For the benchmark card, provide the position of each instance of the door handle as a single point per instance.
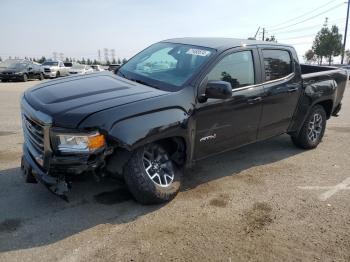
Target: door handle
(254, 100)
(291, 90)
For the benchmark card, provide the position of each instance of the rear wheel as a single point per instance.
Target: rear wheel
(312, 130)
(151, 175)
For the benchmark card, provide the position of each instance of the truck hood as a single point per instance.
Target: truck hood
(70, 100)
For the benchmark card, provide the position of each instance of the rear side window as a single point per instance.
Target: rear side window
(236, 68)
(277, 64)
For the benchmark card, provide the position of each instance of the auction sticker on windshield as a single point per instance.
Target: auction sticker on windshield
(198, 52)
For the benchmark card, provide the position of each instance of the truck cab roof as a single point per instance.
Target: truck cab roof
(220, 43)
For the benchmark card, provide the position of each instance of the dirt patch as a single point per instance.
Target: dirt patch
(258, 217)
(10, 156)
(10, 225)
(113, 197)
(220, 201)
(340, 129)
(6, 133)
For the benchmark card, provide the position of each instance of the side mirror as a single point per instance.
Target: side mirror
(218, 90)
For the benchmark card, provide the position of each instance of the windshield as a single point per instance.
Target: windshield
(50, 63)
(165, 65)
(13, 64)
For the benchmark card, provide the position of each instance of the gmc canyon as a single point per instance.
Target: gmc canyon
(172, 104)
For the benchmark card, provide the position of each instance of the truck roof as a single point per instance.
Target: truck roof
(219, 43)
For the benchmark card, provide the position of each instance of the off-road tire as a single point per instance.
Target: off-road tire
(41, 77)
(303, 140)
(142, 187)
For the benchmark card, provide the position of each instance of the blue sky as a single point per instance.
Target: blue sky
(78, 28)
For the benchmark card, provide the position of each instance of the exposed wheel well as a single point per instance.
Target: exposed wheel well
(176, 147)
(327, 105)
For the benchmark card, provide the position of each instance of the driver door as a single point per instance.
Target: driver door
(225, 124)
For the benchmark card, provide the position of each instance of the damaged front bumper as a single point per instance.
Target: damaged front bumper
(42, 161)
(57, 177)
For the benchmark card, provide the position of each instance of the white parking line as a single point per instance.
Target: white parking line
(331, 190)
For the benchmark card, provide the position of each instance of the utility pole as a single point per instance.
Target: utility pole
(263, 34)
(105, 50)
(346, 32)
(257, 31)
(99, 55)
(113, 54)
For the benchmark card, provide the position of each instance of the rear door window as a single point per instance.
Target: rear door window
(277, 63)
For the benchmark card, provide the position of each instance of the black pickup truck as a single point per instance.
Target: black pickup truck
(176, 102)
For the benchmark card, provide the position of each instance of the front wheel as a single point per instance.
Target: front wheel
(312, 130)
(151, 175)
(58, 74)
(41, 77)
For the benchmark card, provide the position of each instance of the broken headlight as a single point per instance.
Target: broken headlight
(80, 143)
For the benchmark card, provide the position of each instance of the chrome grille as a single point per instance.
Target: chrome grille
(47, 70)
(33, 137)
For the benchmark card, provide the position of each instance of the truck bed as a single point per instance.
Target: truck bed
(316, 77)
(309, 69)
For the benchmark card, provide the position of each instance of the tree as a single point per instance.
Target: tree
(0, 59)
(42, 60)
(271, 39)
(119, 61)
(310, 56)
(327, 43)
(113, 61)
(83, 61)
(124, 60)
(88, 61)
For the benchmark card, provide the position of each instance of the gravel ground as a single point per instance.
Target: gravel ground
(265, 202)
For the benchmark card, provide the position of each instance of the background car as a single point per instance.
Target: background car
(113, 67)
(54, 68)
(68, 64)
(20, 70)
(80, 69)
(97, 68)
